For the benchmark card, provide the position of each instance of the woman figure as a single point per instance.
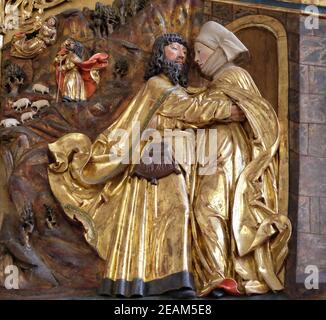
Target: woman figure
(21, 47)
(240, 238)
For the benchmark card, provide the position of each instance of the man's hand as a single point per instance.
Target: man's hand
(236, 114)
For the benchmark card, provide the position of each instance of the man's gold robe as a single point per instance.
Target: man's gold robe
(141, 230)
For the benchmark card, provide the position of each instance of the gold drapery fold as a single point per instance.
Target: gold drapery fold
(238, 232)
(137, 228)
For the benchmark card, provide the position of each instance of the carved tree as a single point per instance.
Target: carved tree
(14, 77)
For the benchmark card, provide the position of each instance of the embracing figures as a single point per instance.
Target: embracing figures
(193, 231)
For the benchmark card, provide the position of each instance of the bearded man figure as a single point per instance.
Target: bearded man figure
(139, 228)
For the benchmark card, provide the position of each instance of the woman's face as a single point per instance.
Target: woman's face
(202, 53)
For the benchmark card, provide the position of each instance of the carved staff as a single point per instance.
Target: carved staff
(58, 91)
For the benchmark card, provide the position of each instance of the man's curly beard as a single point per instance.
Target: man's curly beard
(177, 73)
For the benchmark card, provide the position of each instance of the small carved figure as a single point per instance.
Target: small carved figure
(27, 224)
(40, 88)
(17, 13)
(50, 219)
(77, 79)
(40, 104)
(10, 122)
(28, 116)
(21, 47)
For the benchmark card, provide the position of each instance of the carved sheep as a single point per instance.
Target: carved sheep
(40, 104)
(27, 116)
(40, 88)
(21, 104)
(10, 122)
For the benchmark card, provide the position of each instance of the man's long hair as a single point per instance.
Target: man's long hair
(159, 64)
